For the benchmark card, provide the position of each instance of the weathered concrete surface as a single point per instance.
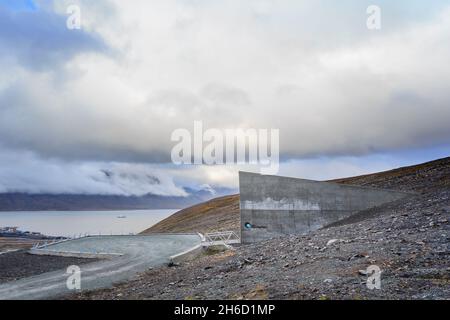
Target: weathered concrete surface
(271, 205)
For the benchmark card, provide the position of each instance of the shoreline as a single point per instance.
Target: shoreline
(86, 210)
(53, 225)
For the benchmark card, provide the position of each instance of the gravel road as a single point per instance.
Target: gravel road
(140, 254)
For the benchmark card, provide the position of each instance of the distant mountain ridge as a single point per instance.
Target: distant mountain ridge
(74, 202)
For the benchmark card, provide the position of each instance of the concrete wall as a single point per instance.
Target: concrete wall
(84, 255)
(276, 206)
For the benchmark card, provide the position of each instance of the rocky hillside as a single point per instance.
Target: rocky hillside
(408, 241)
(417, 178)
(215, 215)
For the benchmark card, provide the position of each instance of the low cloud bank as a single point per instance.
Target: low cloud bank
(26, 172)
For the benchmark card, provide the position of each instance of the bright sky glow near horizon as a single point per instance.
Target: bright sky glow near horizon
(347, 100)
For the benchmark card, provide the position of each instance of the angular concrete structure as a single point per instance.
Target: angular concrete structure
(272, 206)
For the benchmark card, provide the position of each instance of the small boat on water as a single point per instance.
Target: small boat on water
(121, 217)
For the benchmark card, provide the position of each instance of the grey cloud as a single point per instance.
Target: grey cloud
(35, 116)
(376, 93)
(24, 171)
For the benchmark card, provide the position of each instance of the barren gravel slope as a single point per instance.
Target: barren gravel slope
(221, 214)
(418, 178)
(20, 264)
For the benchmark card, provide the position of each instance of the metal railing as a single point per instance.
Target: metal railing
(46, 243)
(221, 238)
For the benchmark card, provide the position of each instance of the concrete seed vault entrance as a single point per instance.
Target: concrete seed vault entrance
(271, 206)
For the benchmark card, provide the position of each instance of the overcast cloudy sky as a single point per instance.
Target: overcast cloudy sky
(75, 104)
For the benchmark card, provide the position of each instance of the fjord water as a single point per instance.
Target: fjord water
(69, 223)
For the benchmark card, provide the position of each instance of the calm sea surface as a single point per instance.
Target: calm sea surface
(69, 223)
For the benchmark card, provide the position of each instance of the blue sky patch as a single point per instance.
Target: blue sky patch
(18, 5)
